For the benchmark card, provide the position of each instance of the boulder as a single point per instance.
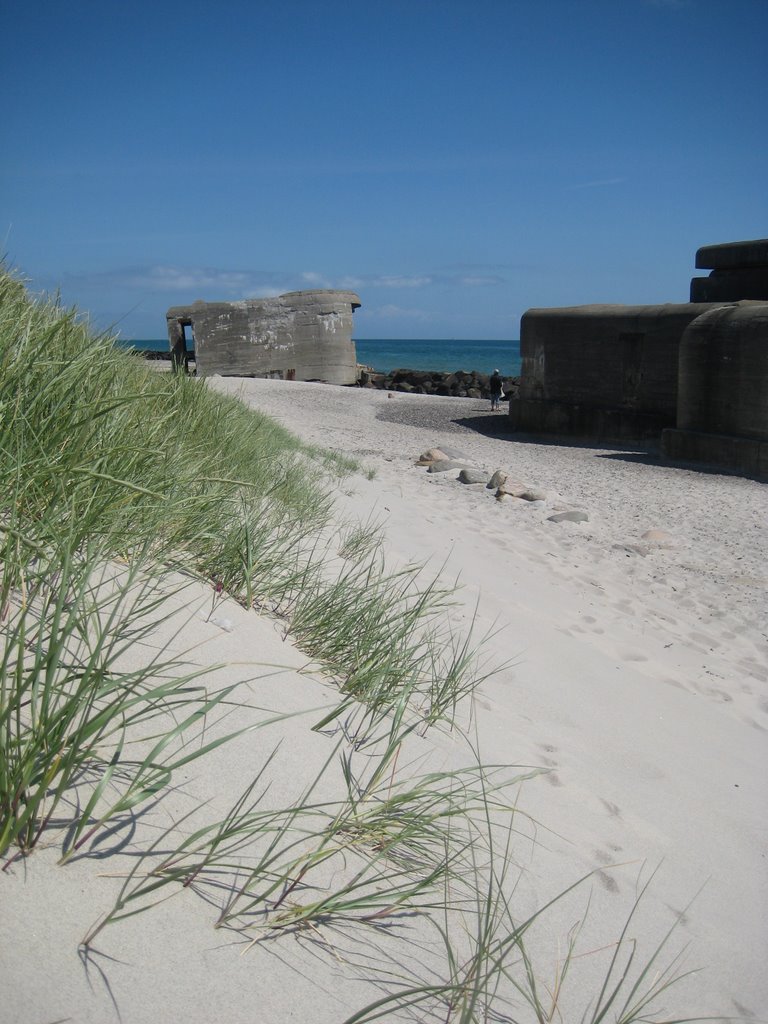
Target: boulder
(432, 455)
(512, 499)
(453, 453)
(497, 480)
(445, 465)
(473, 476)
(574, 516)
(514, 488)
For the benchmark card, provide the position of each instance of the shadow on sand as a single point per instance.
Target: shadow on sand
(498, 426)
(644, 453)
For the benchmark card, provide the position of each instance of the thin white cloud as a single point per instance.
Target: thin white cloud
(393, 312)
(171, 278)
(599, 183)
(479, 280)
(385, 281)
(213, 283)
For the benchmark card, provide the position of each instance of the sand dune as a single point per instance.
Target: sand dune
(634, 671)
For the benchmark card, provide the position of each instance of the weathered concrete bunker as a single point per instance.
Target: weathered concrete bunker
(303, 336)
(722, 406)
(696, 371)
(601, 370)
(739, 271)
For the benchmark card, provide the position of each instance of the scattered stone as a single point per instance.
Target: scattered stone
(473, 476)
(453, 453)
(498, 479)
(444, 465)
(658, 539)
(502, 495)
(513, 488)
(432, 455)
(532, 494)
(574, 516)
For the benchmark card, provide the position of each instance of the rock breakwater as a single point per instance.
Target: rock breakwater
(459, 384)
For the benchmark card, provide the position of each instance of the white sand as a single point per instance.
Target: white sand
(640, 681)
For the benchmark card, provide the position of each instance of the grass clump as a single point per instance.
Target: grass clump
(105, 463)
(70, 705)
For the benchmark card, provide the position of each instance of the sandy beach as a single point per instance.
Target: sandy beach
(632, 651)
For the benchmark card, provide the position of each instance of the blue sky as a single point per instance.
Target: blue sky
(454, 162)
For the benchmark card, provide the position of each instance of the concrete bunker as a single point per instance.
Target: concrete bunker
(303, 336)
(722, 407)
(601, 371)
(739, 270)
(697, 371)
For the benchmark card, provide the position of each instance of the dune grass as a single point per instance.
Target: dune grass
(104, 462)
(118, 483)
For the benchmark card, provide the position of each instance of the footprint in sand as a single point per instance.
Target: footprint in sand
(625, 606)
(675, 682)
(682, 917)
(753, 669)
(628, 654)
(549, 763)
(608, 881)
(707, 642)
(613, 809)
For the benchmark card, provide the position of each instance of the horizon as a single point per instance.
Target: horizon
(453, 164)
(420, 341)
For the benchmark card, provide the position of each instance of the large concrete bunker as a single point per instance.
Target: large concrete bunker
(304, 335)
(722, 409)
(694, 374)
(600, 370)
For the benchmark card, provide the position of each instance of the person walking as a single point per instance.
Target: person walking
(497, 386)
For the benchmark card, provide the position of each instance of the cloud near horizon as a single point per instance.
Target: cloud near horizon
(241, 284)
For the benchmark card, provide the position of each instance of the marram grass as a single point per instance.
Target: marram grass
(116, 484)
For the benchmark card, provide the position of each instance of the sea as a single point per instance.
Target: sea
(387, 354)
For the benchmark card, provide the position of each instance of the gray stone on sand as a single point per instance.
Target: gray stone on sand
(444, 465)
(574, 516)
(453, 453)
(533, 494)
(497, 480)
(473, 476)
(514, 488)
